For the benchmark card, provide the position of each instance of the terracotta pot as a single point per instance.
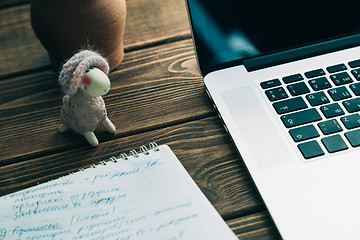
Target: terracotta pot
(66, 26)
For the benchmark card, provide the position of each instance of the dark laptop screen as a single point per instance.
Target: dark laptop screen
(227, 30)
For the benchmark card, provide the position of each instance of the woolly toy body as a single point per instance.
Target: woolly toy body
(83, 113)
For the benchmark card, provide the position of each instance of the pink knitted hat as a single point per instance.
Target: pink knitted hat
(75, 68)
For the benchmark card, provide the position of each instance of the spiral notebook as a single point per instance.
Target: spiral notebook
(143, 195)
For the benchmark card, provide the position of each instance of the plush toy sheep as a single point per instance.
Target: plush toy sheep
(84, 80)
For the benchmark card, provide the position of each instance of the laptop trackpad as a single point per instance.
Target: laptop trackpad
(260, 135)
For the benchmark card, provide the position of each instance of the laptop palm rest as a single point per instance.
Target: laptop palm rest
(247, 110)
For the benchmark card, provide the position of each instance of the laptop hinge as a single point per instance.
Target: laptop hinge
(265, 61)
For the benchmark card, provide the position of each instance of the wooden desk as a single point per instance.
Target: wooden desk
(157, 95)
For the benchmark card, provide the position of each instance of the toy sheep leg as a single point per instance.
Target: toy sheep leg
(108, 125)
(91, 138)
(62, 128)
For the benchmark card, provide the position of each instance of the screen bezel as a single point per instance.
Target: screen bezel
(276, 57)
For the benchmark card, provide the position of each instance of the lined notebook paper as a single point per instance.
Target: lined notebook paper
(148, 196)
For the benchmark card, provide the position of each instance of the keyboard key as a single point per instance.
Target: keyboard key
(290, 105)
(293, 78)
(355, 88)
(310, 149)
(352, 105)
(355, 63)
(353, 137)
(298, 89)
(318, 98)
(341, 78)
(300, 118)
(334, 143)
(276, 94)
(336, 68)
(330, 126)
(332, 110)
(315, 73)
(356, 73)
(304, 133)
(339, 93)
(351, 121)
(319, 83)
(270, 83)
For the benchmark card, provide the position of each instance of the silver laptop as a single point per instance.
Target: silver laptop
(284, 78)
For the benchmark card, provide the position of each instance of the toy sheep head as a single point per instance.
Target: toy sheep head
(95, 83)
(82, 70)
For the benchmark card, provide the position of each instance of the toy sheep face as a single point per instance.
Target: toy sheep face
(95, 83)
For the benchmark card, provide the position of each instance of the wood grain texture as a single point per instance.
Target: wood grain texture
(154, 87)
(254, 227)
(147, 23)
(11, 3)
(202, 146)
(150, 21)
(20, 50)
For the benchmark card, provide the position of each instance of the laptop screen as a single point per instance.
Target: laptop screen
(230, 30)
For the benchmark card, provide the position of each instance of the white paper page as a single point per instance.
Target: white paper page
(149, 197)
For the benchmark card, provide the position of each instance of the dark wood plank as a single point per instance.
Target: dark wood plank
(154, 87)
(20, 50)
(147, 22)
(202, 146)
(256, 226)
(10, 3)
(150, 21)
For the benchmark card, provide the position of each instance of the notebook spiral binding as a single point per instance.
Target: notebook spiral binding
(123, 156)
(133, 153)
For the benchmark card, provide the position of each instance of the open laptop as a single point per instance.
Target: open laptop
(284, 78)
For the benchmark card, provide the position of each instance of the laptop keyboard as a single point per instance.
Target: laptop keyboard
(319, 107)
